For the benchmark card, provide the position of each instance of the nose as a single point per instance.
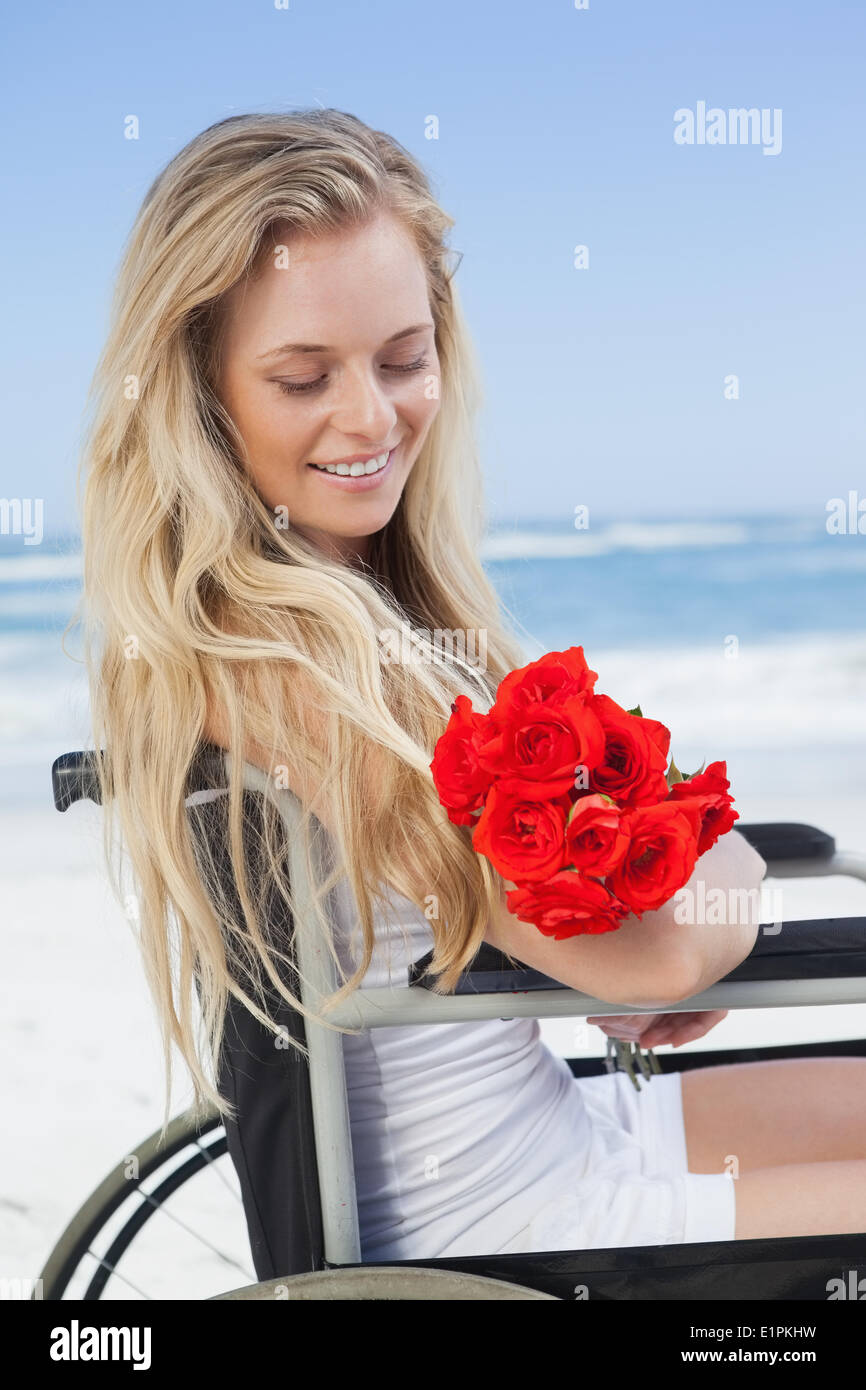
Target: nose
(363, 408)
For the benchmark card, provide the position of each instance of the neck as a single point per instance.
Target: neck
(351, 550)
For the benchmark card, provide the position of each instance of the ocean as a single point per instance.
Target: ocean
(746, 636)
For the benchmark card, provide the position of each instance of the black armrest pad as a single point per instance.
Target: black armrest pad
(490, 972)
(823, 948)
(74, 775)
(74, 778)
(788, 840)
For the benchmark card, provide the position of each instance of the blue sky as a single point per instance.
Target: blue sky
(604, 386)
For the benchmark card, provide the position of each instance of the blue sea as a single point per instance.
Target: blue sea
(745, 635)
(681, 582)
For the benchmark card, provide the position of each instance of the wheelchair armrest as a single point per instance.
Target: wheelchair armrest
(490, 972)
(785, 840)
(805, 947)
(822, 948)
(74, 776)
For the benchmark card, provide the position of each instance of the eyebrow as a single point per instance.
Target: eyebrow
(320, 347)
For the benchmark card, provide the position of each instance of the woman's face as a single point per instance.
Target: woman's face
(330, 358)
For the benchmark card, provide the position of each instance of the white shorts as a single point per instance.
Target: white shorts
(637, 1189)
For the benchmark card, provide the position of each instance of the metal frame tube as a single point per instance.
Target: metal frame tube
(385, 1008)
(328, 1091)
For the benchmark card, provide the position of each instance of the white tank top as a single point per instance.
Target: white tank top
(460, 1131)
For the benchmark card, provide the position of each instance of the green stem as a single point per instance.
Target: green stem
(624, 1058)
(642, 1062)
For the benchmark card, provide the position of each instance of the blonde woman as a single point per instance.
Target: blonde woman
(280, 470)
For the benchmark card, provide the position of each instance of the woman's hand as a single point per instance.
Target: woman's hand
(652, 1030)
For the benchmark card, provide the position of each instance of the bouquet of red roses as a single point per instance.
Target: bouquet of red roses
(572, 800)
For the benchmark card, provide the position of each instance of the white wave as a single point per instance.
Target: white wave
(806, 693)
(507, 543)
(24, 569)
(645, 536)
(533, 543)
(39, 603)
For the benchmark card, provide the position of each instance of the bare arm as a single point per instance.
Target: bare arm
(647, 963)
(657, 960)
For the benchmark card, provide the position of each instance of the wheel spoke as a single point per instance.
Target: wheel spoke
(115, 1272)
(221, 1254)
(215, 1168)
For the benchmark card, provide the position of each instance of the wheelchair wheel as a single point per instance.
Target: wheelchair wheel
(86, 1261)
(102, 1253)
(385, 1283)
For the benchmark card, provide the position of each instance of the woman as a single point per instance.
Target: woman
(281, 475)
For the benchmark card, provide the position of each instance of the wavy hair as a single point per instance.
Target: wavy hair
(194, 598)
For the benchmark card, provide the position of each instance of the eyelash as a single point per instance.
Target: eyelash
(291, 387)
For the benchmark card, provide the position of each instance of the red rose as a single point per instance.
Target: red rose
(567, 905)
(709, 789)
(523, 839)
(594, 838)
(658, 732)
(633, 769)
(540, 746)
(660, 857)
(460, 780)
(549, 679)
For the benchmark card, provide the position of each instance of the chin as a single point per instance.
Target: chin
(356, 527)
(359, 533)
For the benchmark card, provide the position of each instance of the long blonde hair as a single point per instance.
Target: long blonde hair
(192, 593)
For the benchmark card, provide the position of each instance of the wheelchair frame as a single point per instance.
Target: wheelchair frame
(810, 962)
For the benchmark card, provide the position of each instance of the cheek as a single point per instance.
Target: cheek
(275, 432)
(421, 410)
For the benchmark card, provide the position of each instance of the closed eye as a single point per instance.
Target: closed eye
(290, 387)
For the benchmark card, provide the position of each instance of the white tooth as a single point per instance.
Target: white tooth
(355, 470)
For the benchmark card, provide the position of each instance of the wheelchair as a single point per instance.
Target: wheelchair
(298, 1196)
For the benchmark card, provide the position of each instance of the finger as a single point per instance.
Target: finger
(626, 1026)
(670, 1028)
(658, 1035)
(620, 1020)
(690, 1033)
(698, 1024)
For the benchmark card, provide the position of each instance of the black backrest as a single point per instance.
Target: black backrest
(271, 1140)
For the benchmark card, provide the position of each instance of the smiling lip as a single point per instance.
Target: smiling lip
(361, 483)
